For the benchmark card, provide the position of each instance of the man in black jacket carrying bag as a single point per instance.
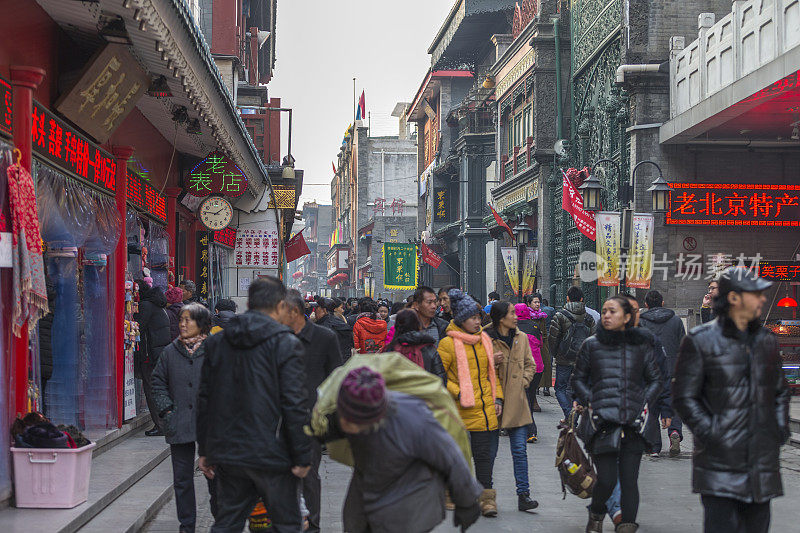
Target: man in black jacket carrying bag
(730, 390)
(251, 412)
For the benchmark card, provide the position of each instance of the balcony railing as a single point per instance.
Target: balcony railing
(477, 121)
(521, 159)
(755, 33)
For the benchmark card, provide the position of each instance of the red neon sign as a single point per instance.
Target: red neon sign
(226, 237)
(145, 197)
(708, 204)
(62, 145)
(6, 107)
(782, 85)
(779, 270)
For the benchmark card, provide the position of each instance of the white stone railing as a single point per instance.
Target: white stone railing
(755, 33)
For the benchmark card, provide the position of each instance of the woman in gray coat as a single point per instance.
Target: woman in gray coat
(176, 381)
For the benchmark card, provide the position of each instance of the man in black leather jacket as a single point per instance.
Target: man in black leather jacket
(730, 390)
(252, 407)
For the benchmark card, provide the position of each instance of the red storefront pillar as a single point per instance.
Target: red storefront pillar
(25, 80)
(121, 156)
(172, 226)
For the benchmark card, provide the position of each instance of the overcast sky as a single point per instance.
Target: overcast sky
(322, 45)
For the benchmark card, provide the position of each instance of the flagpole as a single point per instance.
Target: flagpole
(354, 102)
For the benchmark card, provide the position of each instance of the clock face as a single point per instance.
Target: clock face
(215, 213)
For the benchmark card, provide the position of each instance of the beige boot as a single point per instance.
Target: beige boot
(448, 502)
(488, 502)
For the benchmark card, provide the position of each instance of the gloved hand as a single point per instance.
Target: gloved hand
(466, 516)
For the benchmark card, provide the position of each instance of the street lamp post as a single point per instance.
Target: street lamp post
(521, 232)
(659, 190)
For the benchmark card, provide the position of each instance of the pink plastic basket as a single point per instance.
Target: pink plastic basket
(52, 478)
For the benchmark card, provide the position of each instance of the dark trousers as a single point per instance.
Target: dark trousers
(147, 388)
(531, 393)
(312, 488)
(183, 483)
(726, 515)
(238, 490)
(623, 465)
(563, 388)
(484, 450)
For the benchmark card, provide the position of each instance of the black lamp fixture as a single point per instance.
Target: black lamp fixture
(193, 127)
(180, 114)
(660, 192)
(159, 88)
(591, 190)
(115, 31)
(522, 232)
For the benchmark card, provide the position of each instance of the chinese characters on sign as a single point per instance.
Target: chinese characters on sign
(397, 206)
(399, 266)
(216, 174)
(226, 237)
(378, 206)
(780, 270)
(511, 262)
(607, 246)
(106, 92)
(257, 248)
(440, 204)
(640, 260)
(6, 107)
(202, 265)
(734, 205)
(63, 146)
(144, 197)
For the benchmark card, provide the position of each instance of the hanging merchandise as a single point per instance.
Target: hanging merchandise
(99, 386)
(131, 345)
(28, 286)
(6, 380)
(66, 223)
(157, 244)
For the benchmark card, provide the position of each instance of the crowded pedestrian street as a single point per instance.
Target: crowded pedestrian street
(294, 266)
(668, 506)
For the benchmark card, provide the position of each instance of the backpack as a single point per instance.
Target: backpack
(578, 332)
(575, 469)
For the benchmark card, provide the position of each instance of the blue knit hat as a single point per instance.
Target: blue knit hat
(462, 306)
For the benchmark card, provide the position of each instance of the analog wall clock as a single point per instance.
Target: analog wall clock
(215, 213)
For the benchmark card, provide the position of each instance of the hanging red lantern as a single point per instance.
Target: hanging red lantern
(787, 302)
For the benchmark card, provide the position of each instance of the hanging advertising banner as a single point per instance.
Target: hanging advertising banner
(399, 266)
(511, 261)
(640, 259)
(529, 271)
(203, 270)
(572, 203)
(607, 247)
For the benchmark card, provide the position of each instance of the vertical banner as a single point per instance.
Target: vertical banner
(640, 260)
(529, 271)
(399, 266)
(203, 274)
(607, 246)
(511, 260)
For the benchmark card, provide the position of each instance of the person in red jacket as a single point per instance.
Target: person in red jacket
(369, 331)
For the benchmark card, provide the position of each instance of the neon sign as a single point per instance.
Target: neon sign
(779, 270)
(62, 145)
(226, 237)
(707, 204)
(216, 174)
(6, 107)
(145, 197)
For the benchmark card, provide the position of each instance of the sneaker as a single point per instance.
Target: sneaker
(532, 439)
(674, 444)
(617, 518)
(654, 454)
(547, 391)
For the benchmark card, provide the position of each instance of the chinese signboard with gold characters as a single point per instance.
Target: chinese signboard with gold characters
(399, 266)
(105, 93)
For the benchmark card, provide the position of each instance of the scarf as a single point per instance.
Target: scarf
(29, 290)
(193, 343)
(537, 315)
(467, 396)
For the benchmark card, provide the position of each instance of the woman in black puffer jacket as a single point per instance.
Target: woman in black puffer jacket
(155, 336)
(615, 374)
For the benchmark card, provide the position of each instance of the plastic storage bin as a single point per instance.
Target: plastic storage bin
(52, 478)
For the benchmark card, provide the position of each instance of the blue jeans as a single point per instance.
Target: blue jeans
(563, 388)
(676, 425)
(519, 454)
(614, 503)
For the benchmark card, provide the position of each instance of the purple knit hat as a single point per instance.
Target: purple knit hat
(174, 295)
(362, 396)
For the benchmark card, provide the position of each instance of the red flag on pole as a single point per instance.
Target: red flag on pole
(500, 221)
(334, 167)
(296, 248)
(429, 256)
(572, 203)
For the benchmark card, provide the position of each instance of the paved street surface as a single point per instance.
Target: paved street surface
(667, 504)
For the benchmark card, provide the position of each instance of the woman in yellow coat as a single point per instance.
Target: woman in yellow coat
(468, 360)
